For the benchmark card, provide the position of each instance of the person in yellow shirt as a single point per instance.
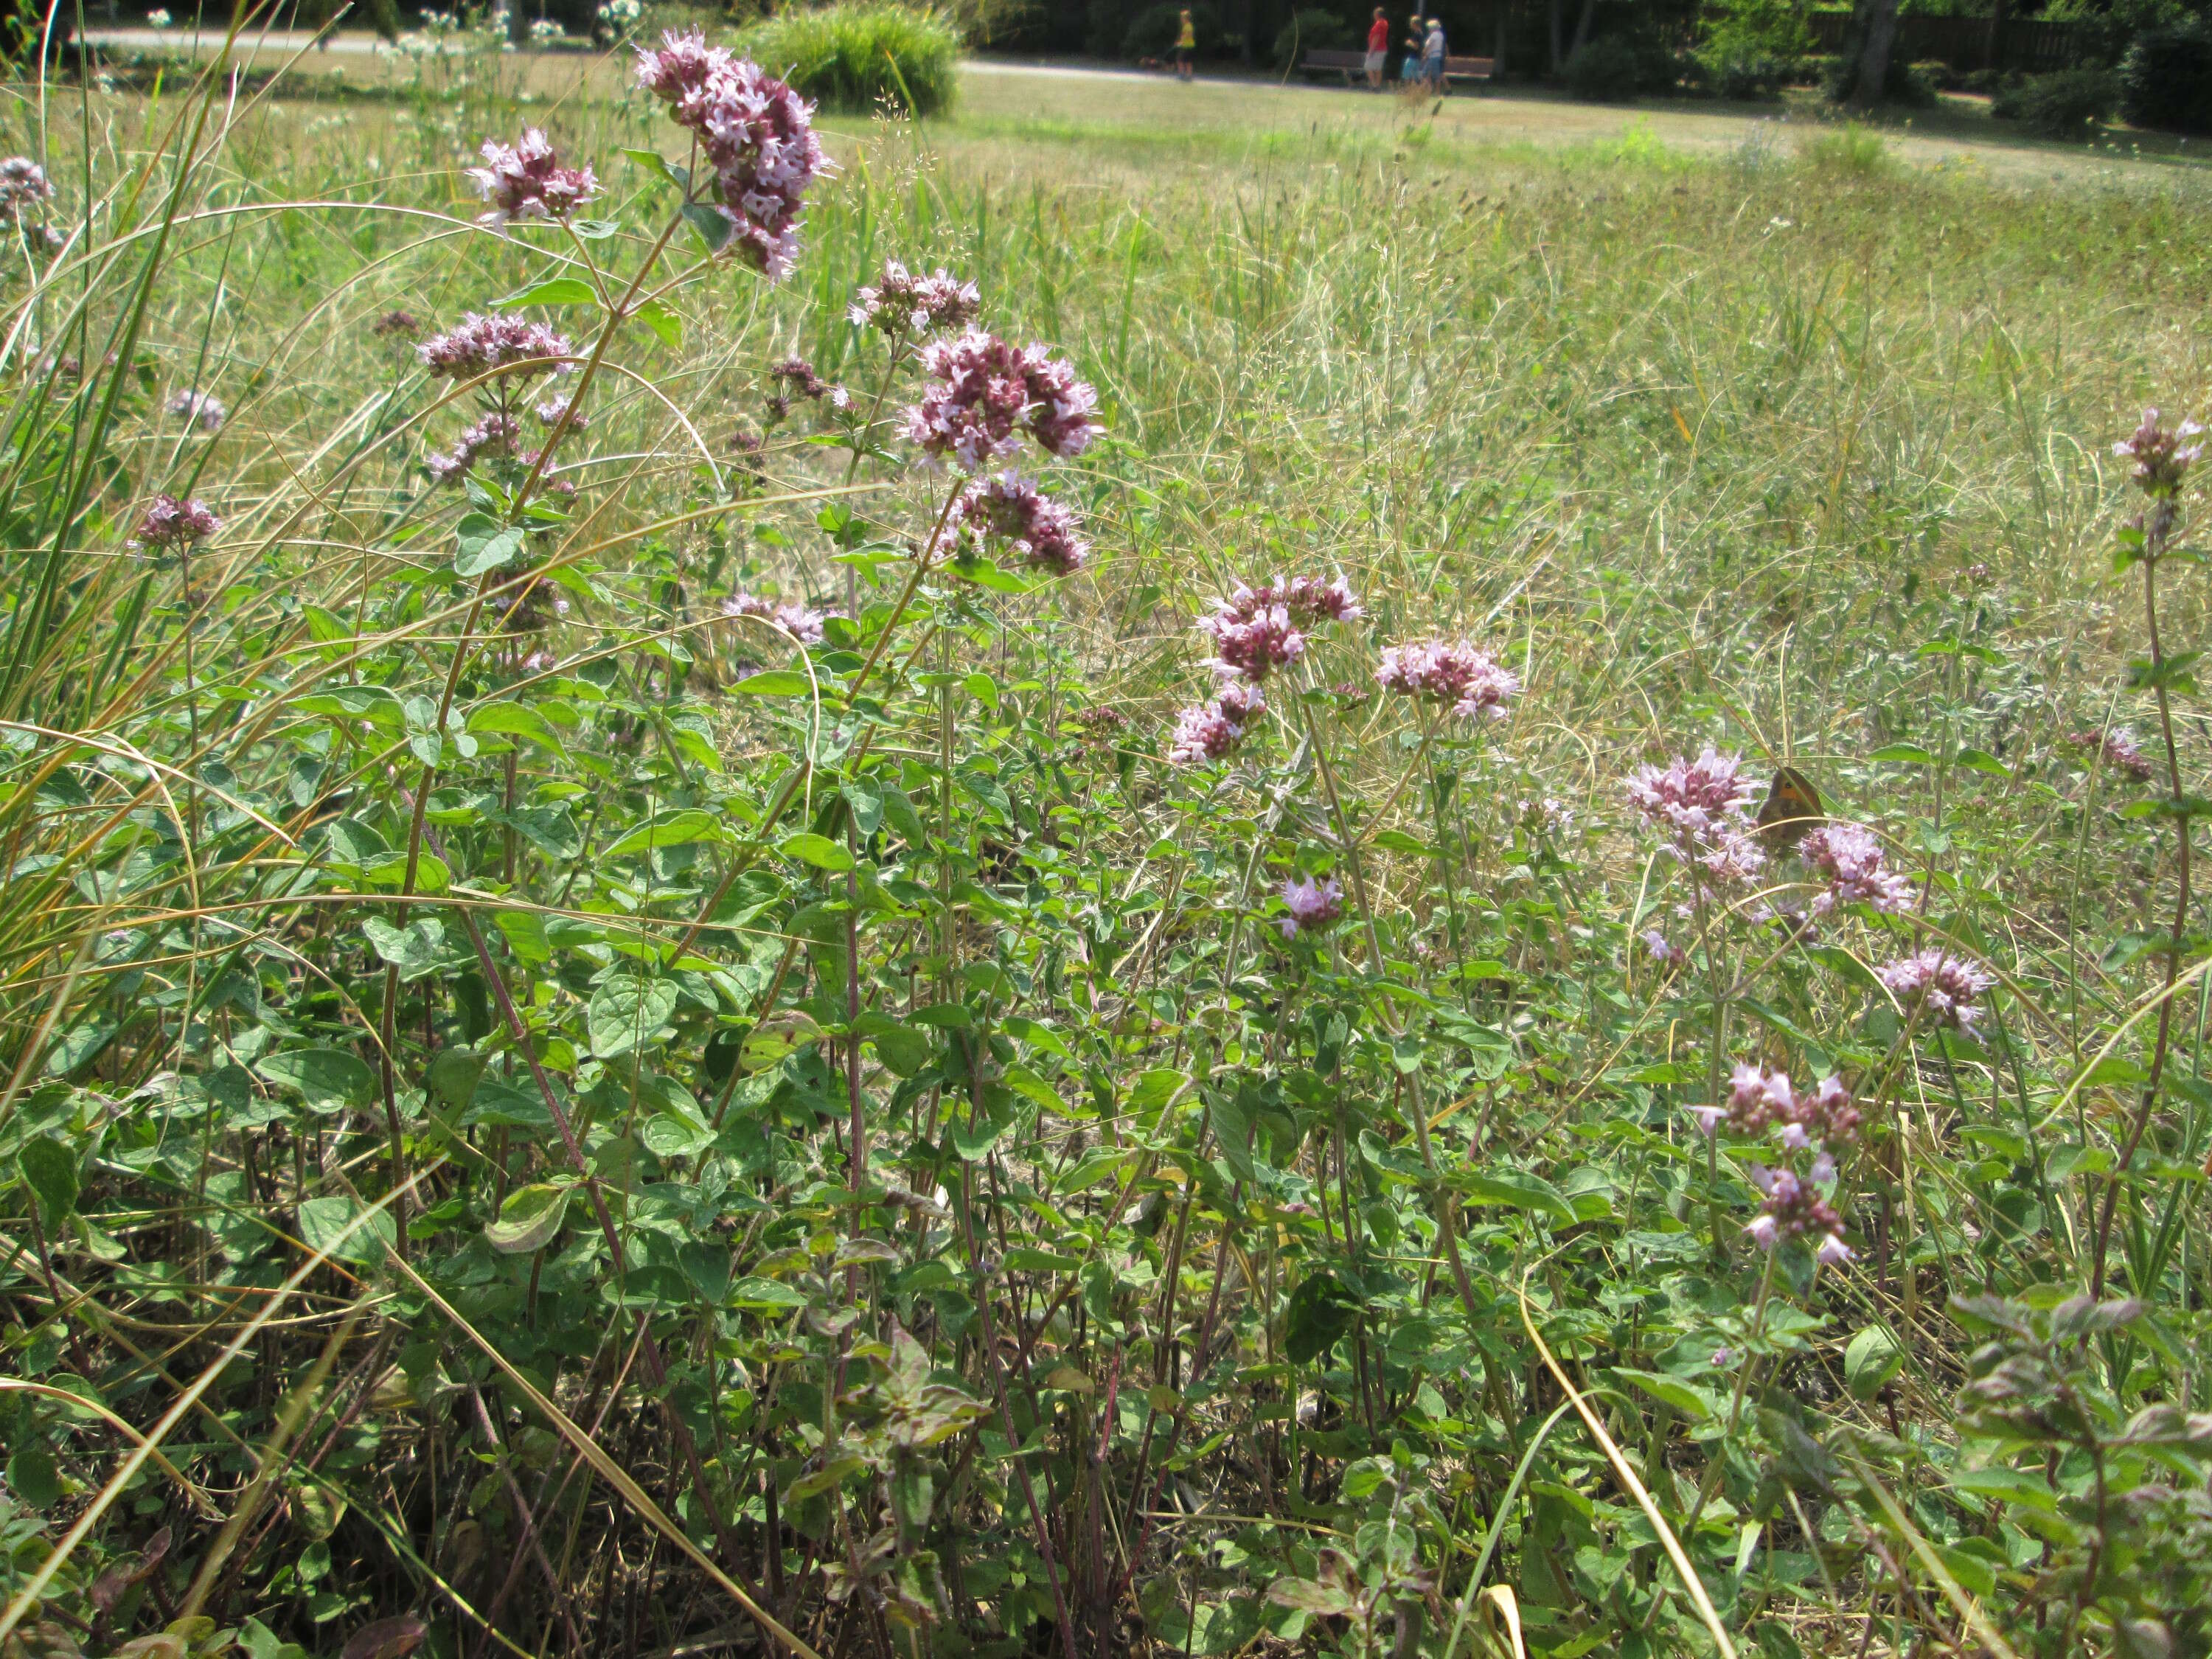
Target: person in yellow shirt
(1185, 44)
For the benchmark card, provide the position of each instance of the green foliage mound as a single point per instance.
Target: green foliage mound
(2070, 104)
(1608, 69)
(860, 55)
(2166, 79)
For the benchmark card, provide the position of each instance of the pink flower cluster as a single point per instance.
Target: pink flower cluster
(551, 411)
(1458, 673)
(1311, 904)
(198, 407)
(1210, 731)
(796, 620)
(526, 180)
(495, 435)
(1795, 1207)
(1704, 805)
(2119, 749)
(1943, 984)
(1251, 640)
(757, 133)
(1760, 1101)
(1038, 529)
(23, 185)
(1850, 860)
(798, 380)
(902, 302)
(985, 394)
(2162, 455)
(479, 346)
(1691, 797)
(170, 524)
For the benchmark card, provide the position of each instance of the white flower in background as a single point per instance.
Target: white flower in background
(157, 20)
(544, 32)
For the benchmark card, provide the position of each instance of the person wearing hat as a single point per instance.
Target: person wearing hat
(1432, 56)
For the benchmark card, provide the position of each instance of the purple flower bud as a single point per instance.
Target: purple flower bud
(2162, 455)
(1311, 905)
(902, 303)
(1459, 673)
(526, 180)
(479, 346)
(199, 406)
(170, 524)
(1944, 983)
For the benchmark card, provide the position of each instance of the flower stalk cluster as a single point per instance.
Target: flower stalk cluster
(1943, 985)
(1850, 860)
(1010, 512)
(755, 133)
(170, 524)
(1455, 672)
(1822, 1121)
(1703, 806)
(985, 393)
(526, 180)
(901, 302)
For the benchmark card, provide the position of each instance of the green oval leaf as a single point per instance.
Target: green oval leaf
(529, 1219)
(819, 851)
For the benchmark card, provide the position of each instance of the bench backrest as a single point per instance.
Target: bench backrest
(1335, 60)
(1479, 66)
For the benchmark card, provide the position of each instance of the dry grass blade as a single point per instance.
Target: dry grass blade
(1626, 1476)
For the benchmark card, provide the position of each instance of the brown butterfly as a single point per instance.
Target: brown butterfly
(1791, 811)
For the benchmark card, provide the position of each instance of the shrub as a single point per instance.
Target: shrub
(856, 56)
(2166, 80)
(1742, 74)
(1310, 29)
(1151, 32)
(1853, 150)
(2070, 104)
(1609, 70)
(1770, 30)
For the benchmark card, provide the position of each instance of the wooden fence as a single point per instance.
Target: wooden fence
(2033, 44)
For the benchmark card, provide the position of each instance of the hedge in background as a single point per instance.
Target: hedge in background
(854, 57)
(2166, 80)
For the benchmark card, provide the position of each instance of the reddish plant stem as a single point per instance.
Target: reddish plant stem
(2154, 544)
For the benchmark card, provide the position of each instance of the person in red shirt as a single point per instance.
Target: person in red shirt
(1378, 48)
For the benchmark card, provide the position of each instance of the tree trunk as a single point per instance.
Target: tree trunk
(1498, 47)
(1583, 27)
(1880, 18)
(1556, 18)
(1995, 51)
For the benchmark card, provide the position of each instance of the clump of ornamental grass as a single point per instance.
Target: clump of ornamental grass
(859, 55)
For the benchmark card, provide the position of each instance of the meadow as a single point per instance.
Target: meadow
(1522, 974)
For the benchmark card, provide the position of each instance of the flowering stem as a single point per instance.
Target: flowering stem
(2155, 533)
(1742, 1381)
(387, 1029)
(1447, 1234)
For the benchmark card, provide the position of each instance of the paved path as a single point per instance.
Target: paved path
(284, 43)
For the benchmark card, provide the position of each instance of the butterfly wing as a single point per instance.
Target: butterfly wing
(1791, 811)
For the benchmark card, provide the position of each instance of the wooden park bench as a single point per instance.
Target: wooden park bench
(1353, 65)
